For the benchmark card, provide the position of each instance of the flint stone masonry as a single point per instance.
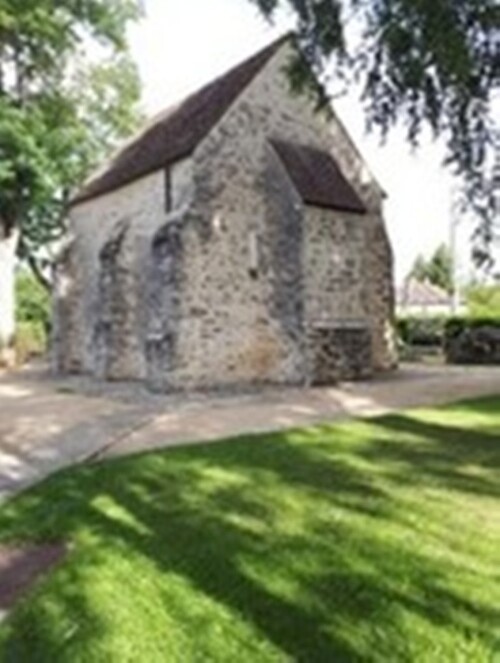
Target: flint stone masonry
(236, 280)
(341, 353)
(114, 335)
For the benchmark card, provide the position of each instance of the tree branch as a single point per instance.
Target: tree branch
(37, 272)
(25, 254)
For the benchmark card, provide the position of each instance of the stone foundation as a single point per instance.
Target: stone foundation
(341, 353)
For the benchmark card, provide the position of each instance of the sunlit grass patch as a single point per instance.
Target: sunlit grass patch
(374, 540)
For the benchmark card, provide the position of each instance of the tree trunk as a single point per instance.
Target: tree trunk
(8, 245)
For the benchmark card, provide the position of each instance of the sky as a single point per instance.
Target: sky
(182, 44)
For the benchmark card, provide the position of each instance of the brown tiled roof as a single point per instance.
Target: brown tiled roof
(177, 131)
(318, 177)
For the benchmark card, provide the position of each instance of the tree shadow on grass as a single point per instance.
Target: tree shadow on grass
(285, 533)
(422, 452)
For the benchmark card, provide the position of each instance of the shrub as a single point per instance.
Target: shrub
(31, 341)
(483, 301)
(472, 341)
(33, 317)
(32, 300)
(427, 332)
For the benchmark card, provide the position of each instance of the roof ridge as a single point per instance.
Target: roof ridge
(269, 49)
(175, 132)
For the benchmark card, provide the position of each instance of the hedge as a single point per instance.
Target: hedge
(472, 340)
(424, 332)
(30, 341)
(33, 302)
(33, 317)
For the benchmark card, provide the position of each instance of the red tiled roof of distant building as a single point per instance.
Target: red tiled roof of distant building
(422, 293)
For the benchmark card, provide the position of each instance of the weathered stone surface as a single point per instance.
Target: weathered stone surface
(114, 331)
(164, 292)
(92, 224)
(67, 331)
(230, 283)
(380, 295)
(341, 353)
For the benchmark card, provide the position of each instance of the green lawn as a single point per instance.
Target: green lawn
(369, 541)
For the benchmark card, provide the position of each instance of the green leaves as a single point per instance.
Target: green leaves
(423, 64)
(60, 113)
(26, 172)
(438, 270)
(105, 97)
(483, 301)
(45, 29)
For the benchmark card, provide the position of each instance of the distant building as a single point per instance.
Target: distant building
(423, 298)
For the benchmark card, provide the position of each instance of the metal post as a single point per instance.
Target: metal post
(455, 290)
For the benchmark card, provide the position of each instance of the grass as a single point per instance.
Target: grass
(366, 541)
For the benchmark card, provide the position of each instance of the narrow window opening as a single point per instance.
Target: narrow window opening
(253, 255)
(168, 190)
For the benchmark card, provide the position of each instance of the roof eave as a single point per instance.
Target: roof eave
(83, 197)
(335, 208)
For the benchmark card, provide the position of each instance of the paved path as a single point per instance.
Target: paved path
(288, 408)
(44, 427)
(48, 424)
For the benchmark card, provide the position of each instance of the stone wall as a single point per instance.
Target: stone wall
(361, 274)
(342, 352)
(227, 286)
(181, 184)
(337, 317)
(283, 262)
(67, 329)
(164, 295)
(380, 296)
(116, 341)
(111, 305)
(242, 322)
(335, 256)
(92, 224)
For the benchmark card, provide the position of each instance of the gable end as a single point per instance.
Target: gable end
(176, 133)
